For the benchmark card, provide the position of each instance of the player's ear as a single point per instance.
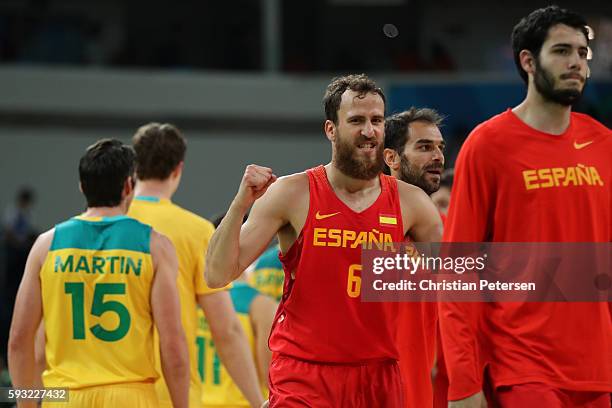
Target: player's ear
(528, 62)
(128, 186)
(392, 159)
(330, 130)
(80, 187)
(178, 170)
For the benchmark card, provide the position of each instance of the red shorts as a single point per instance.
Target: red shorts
(297, 383)
(546, 396)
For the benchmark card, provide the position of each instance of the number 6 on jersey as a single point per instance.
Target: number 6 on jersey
(353, 285)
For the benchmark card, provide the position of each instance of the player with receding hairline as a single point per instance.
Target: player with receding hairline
(330, 348)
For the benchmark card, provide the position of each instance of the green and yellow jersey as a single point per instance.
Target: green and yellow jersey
(268, 275)
(190, 235)
(218, 389)
(96, 286)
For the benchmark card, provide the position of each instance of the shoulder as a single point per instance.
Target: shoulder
(417, 207)
(193, 221)
(413, 200)
(67, 224)
(591, 123)
(286, 193)
(489, 132)
(409, 192)
(488, 141)
(132, 229)
(161, 246)
(296, 183)
(46, 239)
(131, 222)
(285, 202)
(42, 245)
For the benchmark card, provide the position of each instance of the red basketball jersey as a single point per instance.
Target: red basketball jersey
(321, 316)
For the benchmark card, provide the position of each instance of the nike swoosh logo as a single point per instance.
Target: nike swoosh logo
(319, 216)
(579, 146)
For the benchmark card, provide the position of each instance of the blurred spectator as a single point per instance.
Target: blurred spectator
(601, 64)
(407, 58)
(5, 380)
(59, 40)
(19, 232)
(19, 235)
(441, 60)
(441, 198)
(4, 37)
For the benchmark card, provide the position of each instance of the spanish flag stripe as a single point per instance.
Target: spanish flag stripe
(387, 219)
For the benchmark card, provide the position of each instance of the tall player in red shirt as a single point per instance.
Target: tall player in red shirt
(414, 152)
(331, 349)
(535, 173)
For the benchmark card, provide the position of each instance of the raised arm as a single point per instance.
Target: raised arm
(167, 316)
(234, 246)
(27, 315)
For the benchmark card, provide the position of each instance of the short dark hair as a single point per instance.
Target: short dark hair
(160, 147)
(103, 170)
(356, 83)
(397, 126)
(531, 32)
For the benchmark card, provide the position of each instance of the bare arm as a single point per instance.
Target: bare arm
(477, 400)
(422, 220)
(234, 246)
(232, 344)
(262, 314)
(39, 354)
(27, 315)
(167, 315)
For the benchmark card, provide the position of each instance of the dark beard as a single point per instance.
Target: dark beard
(355, 168)
(545, 84)
(416, 177)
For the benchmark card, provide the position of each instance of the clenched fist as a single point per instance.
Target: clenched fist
(254, 184)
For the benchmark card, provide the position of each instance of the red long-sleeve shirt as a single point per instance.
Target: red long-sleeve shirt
(516, 184)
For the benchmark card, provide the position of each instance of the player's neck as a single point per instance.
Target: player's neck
(104, 211)
(543, 115)
(341, 182)
(163, 189)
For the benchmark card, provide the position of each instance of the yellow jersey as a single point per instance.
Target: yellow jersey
(96, 287)
(218, 389)
(190, 235)
(268, 275)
